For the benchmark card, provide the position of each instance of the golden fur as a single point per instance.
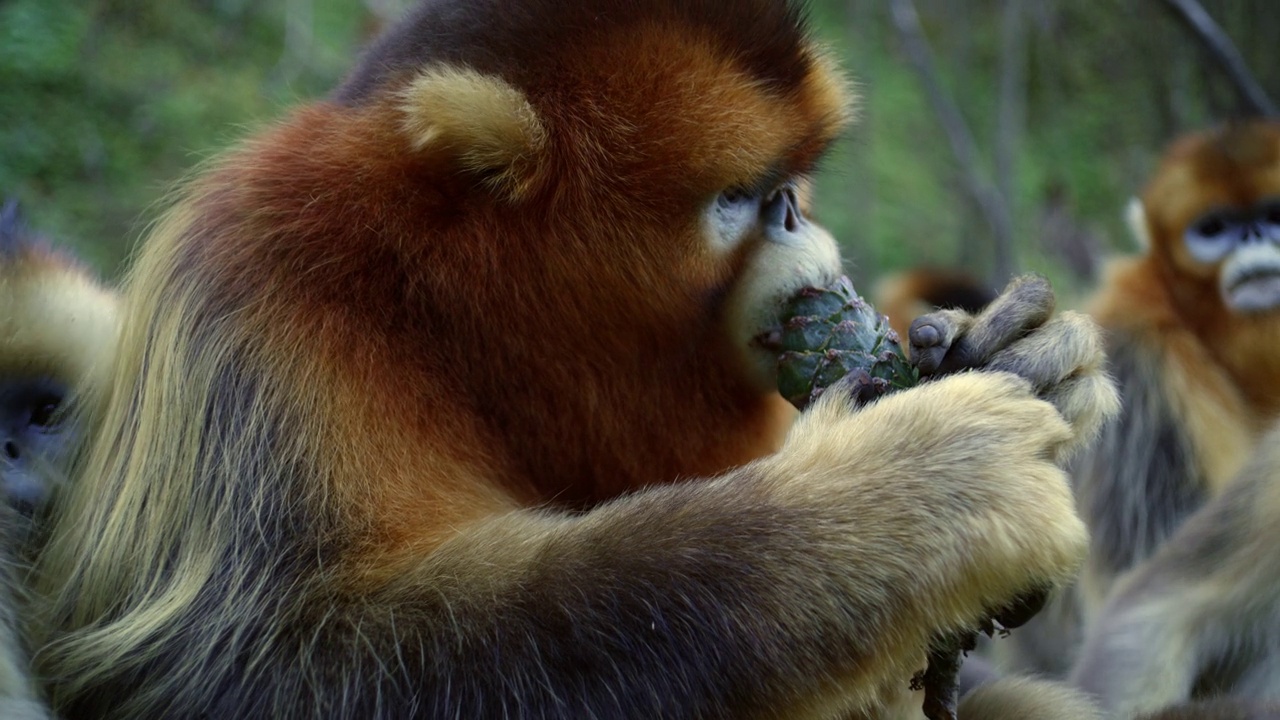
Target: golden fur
(435, 400)
(54, 316)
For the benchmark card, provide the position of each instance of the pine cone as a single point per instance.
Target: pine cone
(830, 333)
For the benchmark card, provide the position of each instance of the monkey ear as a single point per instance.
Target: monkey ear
(1135, 216)
(488, 125)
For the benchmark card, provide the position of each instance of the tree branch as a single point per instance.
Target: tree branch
(1010, 116)
(1219, 45)
(990, 202)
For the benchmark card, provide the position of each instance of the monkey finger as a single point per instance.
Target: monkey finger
(1085, 401)
(932, 336)
(1026, 304)
(950, 341)
(1068, 345)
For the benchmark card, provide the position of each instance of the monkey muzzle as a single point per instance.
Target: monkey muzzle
(1250, 278)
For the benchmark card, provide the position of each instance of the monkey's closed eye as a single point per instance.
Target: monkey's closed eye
(732, 198)
(44, 412)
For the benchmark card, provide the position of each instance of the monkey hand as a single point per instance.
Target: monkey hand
(963, 470)
(1061, 357)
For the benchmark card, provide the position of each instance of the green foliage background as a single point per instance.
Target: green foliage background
(106, 103)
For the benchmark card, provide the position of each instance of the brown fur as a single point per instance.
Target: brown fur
(428, 404)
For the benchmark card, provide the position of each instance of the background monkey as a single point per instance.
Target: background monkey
(57, 326)
(1193, 335)
(56, 330)
(444, 397)
(1202, 616)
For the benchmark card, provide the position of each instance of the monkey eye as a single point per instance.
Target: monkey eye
(1212, 237)
(732, 216)
(44, 413)
(1210, 227)
(732, 197)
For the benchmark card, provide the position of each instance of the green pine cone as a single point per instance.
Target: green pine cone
(830, 333)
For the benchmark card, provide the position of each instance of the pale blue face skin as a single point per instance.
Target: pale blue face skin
(1247, 244)
(33, 439)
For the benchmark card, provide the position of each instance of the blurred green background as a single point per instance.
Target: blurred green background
(105, 103)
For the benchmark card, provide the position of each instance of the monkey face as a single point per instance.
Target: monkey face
(790, 252)
(1213, 212)
(671, 194)
(33, 439)
(1244, 245)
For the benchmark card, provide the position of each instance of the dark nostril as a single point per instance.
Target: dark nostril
(774, 212)
(11, 449)
(792, 221)
(782, 209)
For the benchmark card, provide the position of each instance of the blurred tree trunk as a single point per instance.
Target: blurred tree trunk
(1215, 41)
(985, 195)
(1009, 124)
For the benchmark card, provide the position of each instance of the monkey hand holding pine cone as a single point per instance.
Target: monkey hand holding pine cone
(832, 337)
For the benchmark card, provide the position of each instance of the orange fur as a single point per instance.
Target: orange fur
(438, 398)
(327, 293)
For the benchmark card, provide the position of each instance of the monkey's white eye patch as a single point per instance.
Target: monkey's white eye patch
(1213, 237)
(731, 217)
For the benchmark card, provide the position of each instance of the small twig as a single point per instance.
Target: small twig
(1219, 45)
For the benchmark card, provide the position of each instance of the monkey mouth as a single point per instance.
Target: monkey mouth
(770, 340)
(1253, 289)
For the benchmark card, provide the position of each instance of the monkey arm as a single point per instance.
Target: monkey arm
(809, 581)
(704, 600)
(1141, 479)
(1208, 594)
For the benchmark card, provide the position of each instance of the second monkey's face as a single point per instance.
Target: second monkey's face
(1243, 244)
(1214, 213)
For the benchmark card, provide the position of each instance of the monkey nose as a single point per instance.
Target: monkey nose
(781, 216)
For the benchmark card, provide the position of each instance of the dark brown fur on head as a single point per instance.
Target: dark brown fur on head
(517, 41)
